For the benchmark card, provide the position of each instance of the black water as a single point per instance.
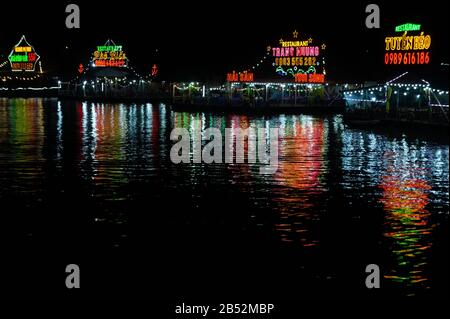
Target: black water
(93, 184)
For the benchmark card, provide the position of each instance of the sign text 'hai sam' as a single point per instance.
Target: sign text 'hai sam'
(240, 77)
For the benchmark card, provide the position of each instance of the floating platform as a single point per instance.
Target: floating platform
(21, 84)
(261, 109)
(376, 122)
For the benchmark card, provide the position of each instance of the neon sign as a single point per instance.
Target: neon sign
(155, 70)
(240, 77)
(309, 78)
(109, 55)
(407, 27)
(407, 49)
(23, 57)
(109, 48)
(301, 59)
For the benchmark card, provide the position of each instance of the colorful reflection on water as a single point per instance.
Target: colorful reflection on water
(300, 176)
(405, 199)
(298, 180)
(333, 185)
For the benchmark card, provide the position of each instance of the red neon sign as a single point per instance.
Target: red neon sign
(309, 78)
(240, 77)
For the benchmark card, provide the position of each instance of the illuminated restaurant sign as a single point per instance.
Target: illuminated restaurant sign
(407, 27)
(240, 77)
(407, 48)
(23, 57)
(109, 55)
(302, 60)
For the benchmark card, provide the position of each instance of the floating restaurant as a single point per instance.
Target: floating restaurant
(290, 75)
(109, 75)
(407, 98)
(23, 74)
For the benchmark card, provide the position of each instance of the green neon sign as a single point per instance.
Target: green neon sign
(18, 58)
(109, 48)
(407, 27)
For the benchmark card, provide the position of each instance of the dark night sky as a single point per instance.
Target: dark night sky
(203, 40)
